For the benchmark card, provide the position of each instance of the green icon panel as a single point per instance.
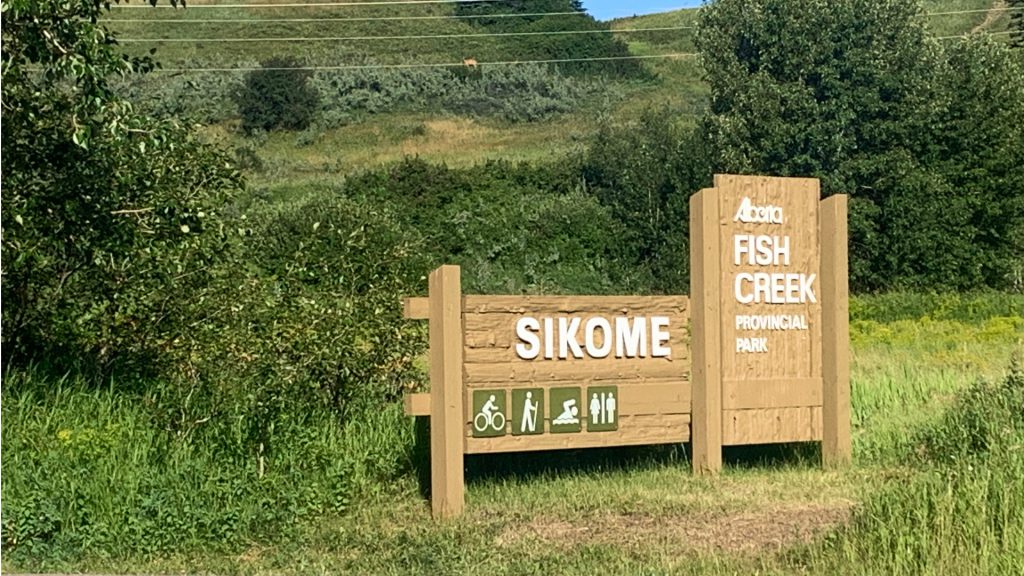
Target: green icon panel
(527, 411)
(602, 408)
(565, 413)
(488, 413)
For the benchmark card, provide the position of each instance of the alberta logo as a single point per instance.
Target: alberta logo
(750, 214)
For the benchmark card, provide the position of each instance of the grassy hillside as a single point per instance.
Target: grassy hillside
(455, 137)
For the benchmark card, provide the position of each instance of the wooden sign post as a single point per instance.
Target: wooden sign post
(770, 360)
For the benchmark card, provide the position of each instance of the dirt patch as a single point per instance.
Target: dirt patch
(993, 14)
(742, 532)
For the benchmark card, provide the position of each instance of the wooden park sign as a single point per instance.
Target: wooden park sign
(757, 354)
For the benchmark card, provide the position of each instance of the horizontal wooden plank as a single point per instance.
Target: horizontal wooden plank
(649, 399)
(773, 393)
(416, 308)
(633, 431)
(417, 404)
(514, 373)
(628, 305)
(771, 425)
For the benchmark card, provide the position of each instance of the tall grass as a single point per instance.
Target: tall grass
(960, 509)
(94, 478)
(92, 473)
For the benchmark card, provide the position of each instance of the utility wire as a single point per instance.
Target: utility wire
(975, 35)
(972, 11)
(410, 37)
(366, 19)
(431, 65)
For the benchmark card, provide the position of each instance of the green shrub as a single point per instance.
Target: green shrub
(514, 228)
(316, 318)
(525, 93)
(112, 221)
(645, 172)
(985, 420)
(277, 96)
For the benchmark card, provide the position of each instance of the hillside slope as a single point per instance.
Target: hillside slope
(387, 134)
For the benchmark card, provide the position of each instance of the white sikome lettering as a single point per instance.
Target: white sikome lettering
(627, 337)
(630, 341)
(593, 349)
(750, 214)
(567, 328)
(659, 335)
(529, 347)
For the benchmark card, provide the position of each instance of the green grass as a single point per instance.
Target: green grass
(902, 508)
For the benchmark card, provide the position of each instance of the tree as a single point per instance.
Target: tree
(113, 222)
(278, 95)
(848, 91)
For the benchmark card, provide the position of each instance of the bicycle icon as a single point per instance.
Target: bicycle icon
(489, 417)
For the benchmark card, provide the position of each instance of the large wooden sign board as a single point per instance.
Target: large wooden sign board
(766, 347)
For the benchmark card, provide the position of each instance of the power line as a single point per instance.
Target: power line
(972, 11)
(974, 35)
(409, 37)
(432, 65)
(308, 4)
(366, 19)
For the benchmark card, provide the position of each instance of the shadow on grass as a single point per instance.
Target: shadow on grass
(526, 465)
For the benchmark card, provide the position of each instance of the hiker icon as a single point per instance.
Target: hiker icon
(529, 421)
(569, 413)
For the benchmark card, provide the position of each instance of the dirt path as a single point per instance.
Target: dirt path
(993, 14)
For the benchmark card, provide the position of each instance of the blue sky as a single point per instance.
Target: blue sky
(606, 9)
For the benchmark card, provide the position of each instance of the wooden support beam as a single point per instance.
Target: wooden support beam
(835, 330)
(706, 308)
(417, 404)
(416, 308)
(446, 424)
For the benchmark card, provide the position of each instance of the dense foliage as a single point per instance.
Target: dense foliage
(277, 95)
(928, 140)
(113, 224)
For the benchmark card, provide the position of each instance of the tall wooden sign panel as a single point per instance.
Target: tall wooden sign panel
(765, 300)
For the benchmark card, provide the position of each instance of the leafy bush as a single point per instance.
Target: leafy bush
(927, 139)
(645, 173)
(279, 95)
(526, 93)
(515, 228)
(317, 317)
(985, 419)
(194, 97)
(112, 222)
